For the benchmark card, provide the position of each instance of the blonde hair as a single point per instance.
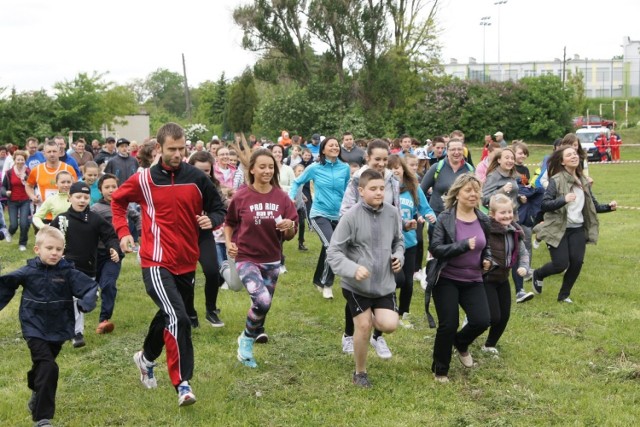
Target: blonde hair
(499, 199)
(48, 231)
(450, 200)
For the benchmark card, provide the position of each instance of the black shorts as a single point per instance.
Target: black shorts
(358, 304)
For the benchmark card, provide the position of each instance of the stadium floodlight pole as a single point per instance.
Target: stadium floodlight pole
(499, 3)
(484, 21)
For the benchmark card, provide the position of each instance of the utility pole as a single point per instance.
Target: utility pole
(187, 96)
(564, 63)
(499, 3)
(484, 22)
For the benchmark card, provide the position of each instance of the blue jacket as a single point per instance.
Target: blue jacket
(329, 181)
(46, 306)
(410, 211)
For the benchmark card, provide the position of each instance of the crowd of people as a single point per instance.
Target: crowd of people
(233, 205)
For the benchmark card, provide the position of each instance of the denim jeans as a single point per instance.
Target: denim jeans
(20, 213)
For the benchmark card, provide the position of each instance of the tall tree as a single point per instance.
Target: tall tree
(327, 22)
(243, 101)
(414, 29)
(276, 27)
(166, 90)
(82, 102)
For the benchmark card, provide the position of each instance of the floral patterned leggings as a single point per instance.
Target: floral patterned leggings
(260, 281)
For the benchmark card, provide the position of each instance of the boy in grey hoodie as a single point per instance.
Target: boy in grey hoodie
(366, 248)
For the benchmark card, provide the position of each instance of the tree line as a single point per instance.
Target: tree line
(371, 67)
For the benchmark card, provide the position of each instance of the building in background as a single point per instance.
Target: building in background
(603, 78)
(137, 128)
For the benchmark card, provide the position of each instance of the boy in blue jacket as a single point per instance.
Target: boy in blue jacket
(50, 284)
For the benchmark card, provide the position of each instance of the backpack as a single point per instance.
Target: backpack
(440, 165)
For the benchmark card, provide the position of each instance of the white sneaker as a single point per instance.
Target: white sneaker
(535, 243)
(283, 269)
(491, 350)
(327, 293)
(224, 286)
(347, 344)
(381, 347)
(22, 248)
(7, 235)
(146, 371)
(424, 283)
(417, 276)
(185, 395)
(405, 321)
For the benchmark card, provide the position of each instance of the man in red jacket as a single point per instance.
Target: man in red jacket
(176, 200)
(602, 143)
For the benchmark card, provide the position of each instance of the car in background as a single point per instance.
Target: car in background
(593, 121)
(587, 137)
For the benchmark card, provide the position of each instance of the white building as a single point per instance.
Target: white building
(602, 77)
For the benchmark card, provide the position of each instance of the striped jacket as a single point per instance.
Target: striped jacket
(170, 200)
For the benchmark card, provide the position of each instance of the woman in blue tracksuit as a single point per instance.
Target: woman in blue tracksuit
(330, 176)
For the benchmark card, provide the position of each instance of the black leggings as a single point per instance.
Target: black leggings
(569, 255)
(447, 295)
(419, 248)
(499, 299)
(209, 263)
(323, 276)
(404, 280)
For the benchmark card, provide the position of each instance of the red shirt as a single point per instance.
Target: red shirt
(18, 193)
(253, 217)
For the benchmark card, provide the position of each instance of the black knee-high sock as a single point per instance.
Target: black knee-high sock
(348, 322)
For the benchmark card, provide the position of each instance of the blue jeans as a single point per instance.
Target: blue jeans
(221, 252)
(108, 272)
(20, 213)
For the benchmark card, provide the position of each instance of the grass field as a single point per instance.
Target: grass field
(559, 364)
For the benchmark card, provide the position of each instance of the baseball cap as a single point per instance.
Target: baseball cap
(315, 137)
(110, 139)
(80, 187)
(122, 141)
(498, 134)
(215, 138)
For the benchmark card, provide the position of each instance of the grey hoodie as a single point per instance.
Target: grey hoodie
(367, 237)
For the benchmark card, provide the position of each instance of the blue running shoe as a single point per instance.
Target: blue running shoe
(245, 351)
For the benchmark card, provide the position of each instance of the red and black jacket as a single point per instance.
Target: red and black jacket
(170, 199)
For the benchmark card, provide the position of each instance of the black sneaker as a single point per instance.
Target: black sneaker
(78, 341)
(213, 318)
(43, 423)
(302, 247)
(361, 380)
(31, 404)
(262, 338)
(537, 283)
(195, 323)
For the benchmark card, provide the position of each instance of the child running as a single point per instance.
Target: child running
(366, 249)
(259, 218)
(415, 209)
(83, 230)
(54, 204)
(48, 281)
(108, 270)
(506, 240)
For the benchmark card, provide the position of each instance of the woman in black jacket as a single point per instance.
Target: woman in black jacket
(461, 250)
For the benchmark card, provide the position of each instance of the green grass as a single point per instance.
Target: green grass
(560, 364)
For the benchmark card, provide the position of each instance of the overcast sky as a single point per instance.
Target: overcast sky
(46, 41)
